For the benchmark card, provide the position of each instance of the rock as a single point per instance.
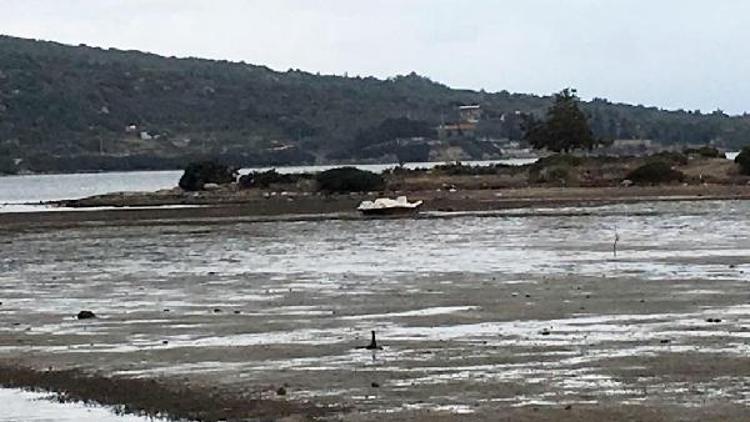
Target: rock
(217, 310)
(211, 186)
(665, 341)
(374, 384)
(713, 320)
(86, 315)
(281, 391)
(545, 332)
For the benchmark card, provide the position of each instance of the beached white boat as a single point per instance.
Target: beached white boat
(388, 206)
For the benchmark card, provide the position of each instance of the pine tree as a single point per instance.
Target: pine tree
(565, 127)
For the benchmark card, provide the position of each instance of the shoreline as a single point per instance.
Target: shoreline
(157, 398)
(342, 207)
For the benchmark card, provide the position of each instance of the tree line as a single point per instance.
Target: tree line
(72, 104)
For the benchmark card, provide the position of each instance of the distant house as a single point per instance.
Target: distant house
(468, 116)
(631, 147)
(457, 130)
(470, 113)
(632, 143)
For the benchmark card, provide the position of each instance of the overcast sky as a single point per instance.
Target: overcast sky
(669, 53)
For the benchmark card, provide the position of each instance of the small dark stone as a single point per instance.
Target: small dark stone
(665, 341)
(713, 320)
(281, 391)
(545, 332)
(166, 310)
(528, 295)
(568, 407)
(86, 315)
(375, 384)
(236, 312)
(165, 342)
(217, 310)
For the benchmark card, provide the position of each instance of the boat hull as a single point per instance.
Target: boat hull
(390, 212)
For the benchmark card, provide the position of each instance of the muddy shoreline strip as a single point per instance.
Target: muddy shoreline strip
(157, 398)
(484, 203)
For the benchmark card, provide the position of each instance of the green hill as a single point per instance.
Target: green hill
(67, 108)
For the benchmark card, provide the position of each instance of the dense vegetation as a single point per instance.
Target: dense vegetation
(349, 179)
(564, 128)
(65, 108)
(655, 173)
(743, 159)
(198, 175)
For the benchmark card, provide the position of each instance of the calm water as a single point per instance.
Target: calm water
(24, 406)
(18, 190)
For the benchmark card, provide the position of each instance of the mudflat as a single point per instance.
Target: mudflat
(230, 208)
(516, 317)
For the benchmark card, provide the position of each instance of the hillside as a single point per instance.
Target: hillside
(66, 108)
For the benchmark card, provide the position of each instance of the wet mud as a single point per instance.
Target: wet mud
(527, 317)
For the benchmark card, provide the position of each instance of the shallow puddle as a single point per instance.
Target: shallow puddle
(25, 406)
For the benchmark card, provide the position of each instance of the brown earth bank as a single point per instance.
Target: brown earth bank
(184, 401)
(160, 398)
(141, 209)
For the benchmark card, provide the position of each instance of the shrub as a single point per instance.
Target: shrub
(349, 179)
(460, 169)
(669, 157)
(264, 179)
(555, 169)
(655, 172)
(197, 174)
(743, 159)
(556, 160)
(7, 166)
(705, 151)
